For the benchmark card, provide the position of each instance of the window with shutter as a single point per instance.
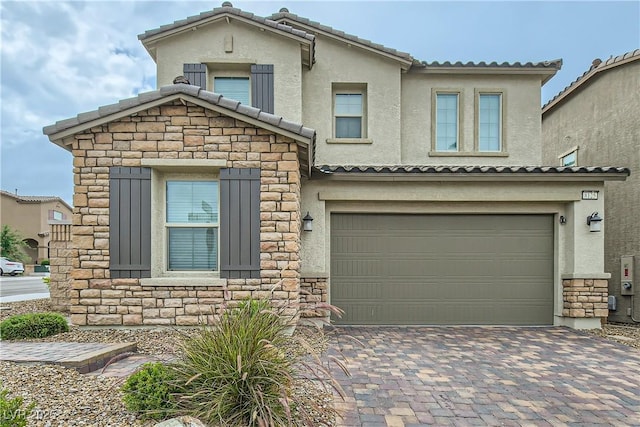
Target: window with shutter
(130, 222)
(196, 74)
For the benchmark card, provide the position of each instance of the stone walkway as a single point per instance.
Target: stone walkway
(84, 357)
(468, 376)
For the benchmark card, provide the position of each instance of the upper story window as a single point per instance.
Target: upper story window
(191, 225)
(57, 215)
(349, 112)
(489, 114)
(446, 120)
(237, 88)
(570, 158)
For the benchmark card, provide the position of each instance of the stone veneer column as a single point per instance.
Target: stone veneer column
(61, 255)
(178, 131)
(313, 293)
(585, 298)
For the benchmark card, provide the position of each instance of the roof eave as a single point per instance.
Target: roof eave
(545, 73)
(471, 177)
(405, 62)
(149, 42)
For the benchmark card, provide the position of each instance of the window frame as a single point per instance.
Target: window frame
(349, 89)
(160, 226)
(501, 127)
(435, 92)
(234, 76)
(572, 151)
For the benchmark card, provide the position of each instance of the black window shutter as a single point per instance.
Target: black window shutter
(262, 87)
(240, 223)
(196, 74)
(130, 222)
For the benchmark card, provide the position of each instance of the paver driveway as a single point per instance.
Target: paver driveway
(486, 376)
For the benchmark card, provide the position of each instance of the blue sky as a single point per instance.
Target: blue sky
(63, 58)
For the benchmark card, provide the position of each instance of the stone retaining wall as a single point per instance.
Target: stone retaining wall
(178, 131)
(313, 292)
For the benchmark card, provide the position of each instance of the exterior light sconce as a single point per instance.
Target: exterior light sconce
(307, 222)
(594, 222)
(563, 219)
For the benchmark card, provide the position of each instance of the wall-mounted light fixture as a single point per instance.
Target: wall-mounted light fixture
(594, 222)
(563, 219)
(307, 222)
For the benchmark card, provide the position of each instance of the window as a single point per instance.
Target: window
(490, 122)
(56, 215)
(446, 134)
(570, 159)
(192, 225)
(236, 88)
(348, 115)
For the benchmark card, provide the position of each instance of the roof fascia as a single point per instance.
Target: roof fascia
(405, 64)
(545, 73)
(149, 42)
(472, 177)
(585, 81)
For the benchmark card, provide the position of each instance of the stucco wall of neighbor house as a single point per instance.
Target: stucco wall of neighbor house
(601, 119)
(521, 118)
(578, 252)
(176, 132)
(338, 63)
(250, 46)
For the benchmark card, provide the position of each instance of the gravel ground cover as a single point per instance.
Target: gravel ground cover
(66, 398)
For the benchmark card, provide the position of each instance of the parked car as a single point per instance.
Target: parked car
(10, 267)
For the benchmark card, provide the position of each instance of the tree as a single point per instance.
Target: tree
(13, 246)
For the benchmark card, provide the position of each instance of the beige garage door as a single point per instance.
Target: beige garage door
(442, 269)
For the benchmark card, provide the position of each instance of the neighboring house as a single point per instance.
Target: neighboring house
(424, 181)
(32, 216)
(595, 121)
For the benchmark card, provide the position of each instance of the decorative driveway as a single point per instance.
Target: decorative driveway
(496, 376)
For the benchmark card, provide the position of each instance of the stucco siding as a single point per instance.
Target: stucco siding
(339, 63)
(250, 46)
(601, 120)
(521, 114)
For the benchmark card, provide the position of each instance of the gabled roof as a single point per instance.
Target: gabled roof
(596, 69)
(35, 199)
(546, 68)
(61, 133)
(227, 12)
(285, 16)
(476, 172)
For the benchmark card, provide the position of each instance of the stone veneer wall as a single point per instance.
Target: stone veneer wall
(585, 297)
(178, 131)
(313, 292)
(61, 254)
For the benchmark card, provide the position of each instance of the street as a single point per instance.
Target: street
(20, 288)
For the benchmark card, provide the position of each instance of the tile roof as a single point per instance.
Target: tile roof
(191, 90)
(597, 67)
(285, 15)
(553, 64)
(229, 10)
(33, 199)
(464, 170)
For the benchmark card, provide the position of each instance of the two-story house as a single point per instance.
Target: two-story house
(305, 164)
(32, 216)
(595, 121)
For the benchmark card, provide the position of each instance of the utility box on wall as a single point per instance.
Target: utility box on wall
(627, 284)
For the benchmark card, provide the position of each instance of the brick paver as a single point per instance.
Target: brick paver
(467, 376)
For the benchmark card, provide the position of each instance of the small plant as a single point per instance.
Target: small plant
(32, 325)
(47, 281)
(45, 262)
(240, 370)
(12, 414)
(150, 391)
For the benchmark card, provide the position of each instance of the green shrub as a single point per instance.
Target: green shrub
(236, 372)
(12, 414)
(44, 262)
(150, 391)
(32, 325)
(47, 281)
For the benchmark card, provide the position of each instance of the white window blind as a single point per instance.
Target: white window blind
(236, 88)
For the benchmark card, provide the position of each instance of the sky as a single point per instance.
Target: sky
(61, 58)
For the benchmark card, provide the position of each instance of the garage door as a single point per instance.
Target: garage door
(442, 269)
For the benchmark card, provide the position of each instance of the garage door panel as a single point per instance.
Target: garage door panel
(442, 269)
